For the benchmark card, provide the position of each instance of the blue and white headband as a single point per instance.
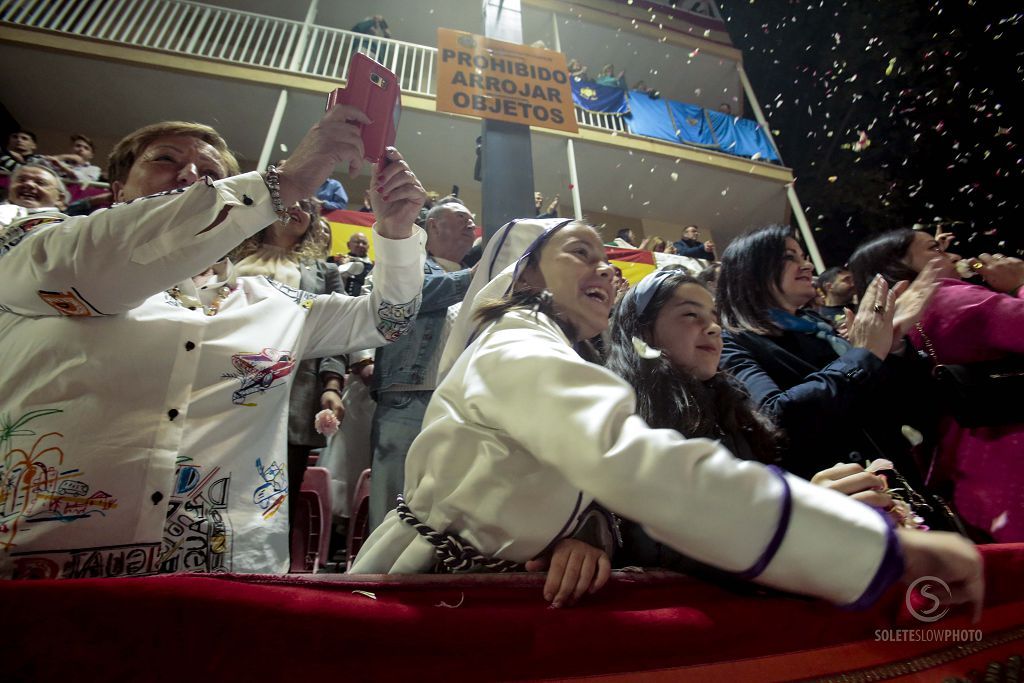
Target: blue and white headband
(646, 289)
(644, 293)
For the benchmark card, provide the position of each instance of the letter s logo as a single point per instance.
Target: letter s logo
(927, 585)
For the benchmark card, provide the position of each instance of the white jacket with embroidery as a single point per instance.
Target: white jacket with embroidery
(137, 435)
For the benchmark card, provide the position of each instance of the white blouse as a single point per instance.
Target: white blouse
(139, 435)
(277, 263)
(523, 434)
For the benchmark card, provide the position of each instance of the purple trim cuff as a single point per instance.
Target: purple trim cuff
(889, 571)
(780, 531)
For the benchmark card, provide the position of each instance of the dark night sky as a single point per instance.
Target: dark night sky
(934, 86)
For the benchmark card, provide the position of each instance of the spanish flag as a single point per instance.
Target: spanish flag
(344, 224)
(636, 264)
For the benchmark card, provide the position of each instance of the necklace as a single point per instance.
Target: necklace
(192, 303)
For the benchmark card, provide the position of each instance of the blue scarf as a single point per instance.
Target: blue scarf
(807, 324)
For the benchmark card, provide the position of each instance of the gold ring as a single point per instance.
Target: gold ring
(879, 308)
(977, 265)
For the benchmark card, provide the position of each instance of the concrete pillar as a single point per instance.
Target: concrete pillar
(506, 159)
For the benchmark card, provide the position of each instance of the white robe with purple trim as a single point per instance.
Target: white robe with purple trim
(523, 434)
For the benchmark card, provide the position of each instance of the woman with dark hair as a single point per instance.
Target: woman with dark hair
(625, 238)
(523, 435)
(837, 399)
(886, 255)
(709, 276)
(666, 343)
(965, 323)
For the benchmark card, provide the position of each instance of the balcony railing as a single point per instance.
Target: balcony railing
(247, 38)
(221, 34)
(612, 122)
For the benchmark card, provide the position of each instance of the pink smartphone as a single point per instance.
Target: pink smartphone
(373, 89)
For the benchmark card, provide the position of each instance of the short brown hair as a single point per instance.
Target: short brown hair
(78, 136)
(128, 149)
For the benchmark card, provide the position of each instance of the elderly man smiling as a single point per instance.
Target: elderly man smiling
(35, 188)
(142, 402)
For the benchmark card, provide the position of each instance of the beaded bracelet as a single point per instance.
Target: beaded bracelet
(273, 181)
(333, 390)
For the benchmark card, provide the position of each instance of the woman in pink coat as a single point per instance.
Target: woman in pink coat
(965, 323)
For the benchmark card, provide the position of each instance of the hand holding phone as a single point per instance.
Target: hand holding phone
(396, 196)
(335, 139)
(374, 90)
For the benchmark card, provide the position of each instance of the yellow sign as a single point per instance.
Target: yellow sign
(493, 79)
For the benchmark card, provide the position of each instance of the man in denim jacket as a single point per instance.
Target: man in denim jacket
(405, 375)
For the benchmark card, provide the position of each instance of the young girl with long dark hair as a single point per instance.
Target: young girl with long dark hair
(666, 342)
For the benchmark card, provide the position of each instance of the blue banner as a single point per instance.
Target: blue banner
(741, 137)
(691, 126)
(649, 116)
(599, 98)
(751, 141)
(723, 130)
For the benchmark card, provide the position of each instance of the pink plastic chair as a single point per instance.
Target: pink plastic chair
(311, 529)
(359, 522)
(302, 556)
(318, 482)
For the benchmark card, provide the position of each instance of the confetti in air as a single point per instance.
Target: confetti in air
(913, 104)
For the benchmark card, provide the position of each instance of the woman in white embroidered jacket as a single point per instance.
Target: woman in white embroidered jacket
(524, 434)
(143, 405)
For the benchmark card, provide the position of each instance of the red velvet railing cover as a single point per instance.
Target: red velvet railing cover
(493, 627)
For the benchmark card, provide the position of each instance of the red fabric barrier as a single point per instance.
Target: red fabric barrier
(949, 658)
(207, 627)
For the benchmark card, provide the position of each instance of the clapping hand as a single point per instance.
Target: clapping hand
(553, 206)
(944, 239)
(1001, 273)
(912, 300)
(872, 327)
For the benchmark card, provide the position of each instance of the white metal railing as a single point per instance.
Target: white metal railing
(222, 34)
(218, 33)
(328, 51)
(612, 122)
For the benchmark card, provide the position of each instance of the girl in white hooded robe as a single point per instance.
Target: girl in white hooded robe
(522, 435)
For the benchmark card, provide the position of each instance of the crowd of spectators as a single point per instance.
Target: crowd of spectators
(607, 76)
(69, 181)
(534, 387)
